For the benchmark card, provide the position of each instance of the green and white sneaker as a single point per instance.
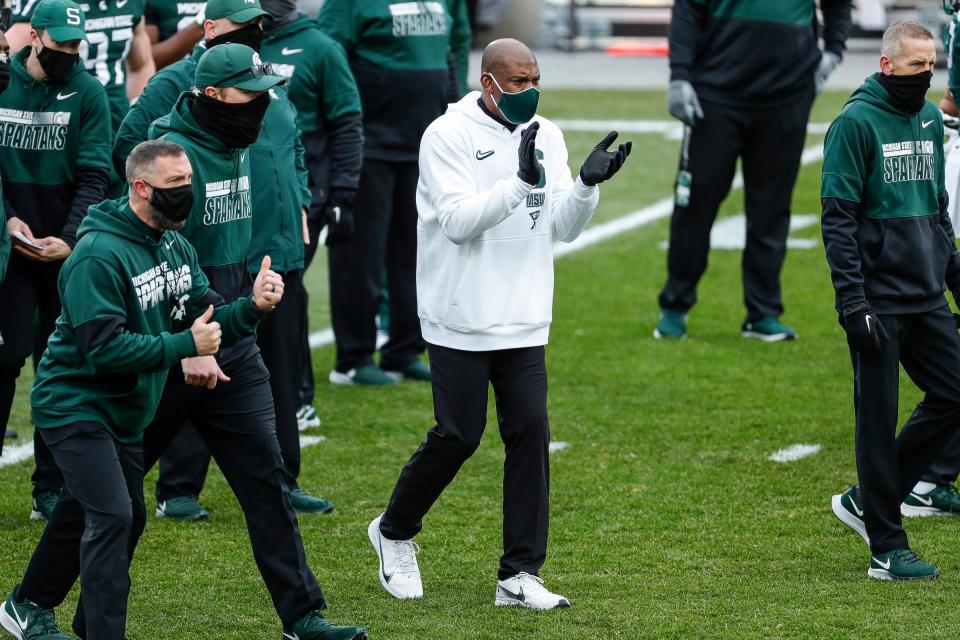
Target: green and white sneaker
(670, 324)
(29, 621)
(416, 371)
(368, 375)
(769, 329)
(314, 626)
(303, 502)
(849, 509)
(900, 564)
(43, 504)
(184, 508)
(307, 417)
(942, 501)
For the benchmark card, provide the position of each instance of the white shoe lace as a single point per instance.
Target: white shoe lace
(406, 552)
(532, 583)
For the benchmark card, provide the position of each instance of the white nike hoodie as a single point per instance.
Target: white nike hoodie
(485, 237)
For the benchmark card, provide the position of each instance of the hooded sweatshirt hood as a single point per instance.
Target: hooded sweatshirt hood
(117, 218)
(872, 92)
(181, 121)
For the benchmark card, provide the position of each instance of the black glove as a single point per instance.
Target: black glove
(864, 332)
(529, 170)
(601, 164)
(338, 219)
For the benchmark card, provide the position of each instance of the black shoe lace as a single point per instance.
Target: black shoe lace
(908, 557)
(47, 622)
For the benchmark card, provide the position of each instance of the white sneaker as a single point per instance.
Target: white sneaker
(525, 590)
(307, 417)
(399, 573)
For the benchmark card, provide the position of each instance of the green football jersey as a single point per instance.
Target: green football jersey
(170, 16)
(109, 27)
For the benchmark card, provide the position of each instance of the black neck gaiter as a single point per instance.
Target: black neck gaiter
(250, 35)
(907, 92)
(236, 125)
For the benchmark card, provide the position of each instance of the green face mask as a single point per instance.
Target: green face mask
(520, 107)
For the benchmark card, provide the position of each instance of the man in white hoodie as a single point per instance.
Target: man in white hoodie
(491, 200)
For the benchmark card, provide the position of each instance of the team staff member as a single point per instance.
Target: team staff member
(116, 52)
(4, 236)
(130, 290)
(482, 222)
(743, 76)
(399, 56)
(174, 28)
(890, 248)
(55, 147)
(322, 87)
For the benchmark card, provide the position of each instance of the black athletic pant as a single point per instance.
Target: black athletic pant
(236, 420)
(307, 384)
(384, 238)
(93, 530)
(769, 142)
(889, 465)
(46, 475)
(184, 465)
(460, 382)
(945, 468)
(30, 289)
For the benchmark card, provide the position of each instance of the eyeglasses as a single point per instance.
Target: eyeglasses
(255, 72)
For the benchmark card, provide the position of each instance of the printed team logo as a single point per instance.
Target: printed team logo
(256, 59)
(227, 200)
(908, 161)
(538, 196)
(418, 19)
(34, 130)
(160, 283)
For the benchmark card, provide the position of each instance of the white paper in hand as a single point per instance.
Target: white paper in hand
(20, 237)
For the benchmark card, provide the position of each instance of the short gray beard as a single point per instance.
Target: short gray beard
(163, 222)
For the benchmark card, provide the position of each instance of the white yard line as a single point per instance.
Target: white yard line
(670, 129)
(795, 452)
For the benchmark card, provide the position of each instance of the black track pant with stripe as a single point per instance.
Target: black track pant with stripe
(461, 380)
(888, 464)
(769, 142)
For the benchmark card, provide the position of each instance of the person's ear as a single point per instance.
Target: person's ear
(211, 92)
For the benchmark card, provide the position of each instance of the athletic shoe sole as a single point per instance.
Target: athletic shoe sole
(344, 379)
(373, 533)
(36, 515)
(882, 574)
(199, 516)
(659, 336)
(770, 337)
(9, 623)
(505, 601)
(909, 511)
(848, 518)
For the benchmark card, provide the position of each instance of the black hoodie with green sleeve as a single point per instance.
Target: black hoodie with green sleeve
(54, 148)
(130, 294)
(886, 229)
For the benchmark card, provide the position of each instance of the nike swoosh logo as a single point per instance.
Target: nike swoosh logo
(857, 509)
(385, 576)
(20, 623)
(922, 500)
(484, 155)
(60, 96)
(292, 637)
(121, 4)
(884, 566)
(290, 52)
(169, 244)
(927, 123)
(515, 596)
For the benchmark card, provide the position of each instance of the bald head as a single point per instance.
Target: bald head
(504, 54)
(508, 66)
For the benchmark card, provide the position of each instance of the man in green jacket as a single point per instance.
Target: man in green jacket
(4, 236)
(135, 302)
(55, 150)
(279, 186)
(890, 246)
(325, 93)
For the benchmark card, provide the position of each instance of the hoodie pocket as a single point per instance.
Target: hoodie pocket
(908, 261)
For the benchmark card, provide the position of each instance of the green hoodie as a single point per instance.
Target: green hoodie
(885, 225)
(53, 138)
(130, 294)
(951, 47)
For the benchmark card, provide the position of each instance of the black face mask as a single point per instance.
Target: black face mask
(236, 125)
(250, 35)
(907, 92)
(57, 64)
(4, 71)
(173, 204)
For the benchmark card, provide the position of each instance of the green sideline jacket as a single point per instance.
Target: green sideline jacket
(54, 149)
(951, 47)
(886, 229)
(130, 294)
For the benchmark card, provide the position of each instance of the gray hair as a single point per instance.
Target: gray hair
(899, 31)
(141, 159)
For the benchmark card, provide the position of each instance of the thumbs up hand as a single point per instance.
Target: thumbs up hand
(206, 334)
(267, 288)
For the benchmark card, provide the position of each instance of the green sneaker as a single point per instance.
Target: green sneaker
(901, 564)
(303, 502)
(314, 626)
(43, 504)
(848, 507)
(417, 371)
(671, 324)
(942, 501)
(769, 329)
(369, 375)
(184, 508)
(29, 621)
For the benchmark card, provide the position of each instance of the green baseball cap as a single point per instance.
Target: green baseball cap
(62, 19)
(235, 65)
(239, 11)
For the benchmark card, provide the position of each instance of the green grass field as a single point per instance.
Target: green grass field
(668, 520)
